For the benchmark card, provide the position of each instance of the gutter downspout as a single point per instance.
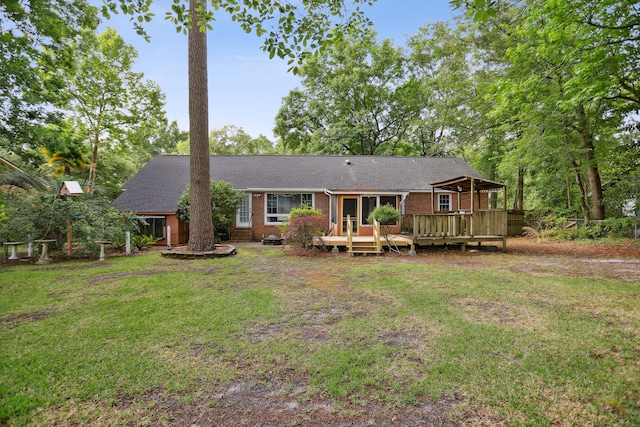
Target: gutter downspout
(330, 194)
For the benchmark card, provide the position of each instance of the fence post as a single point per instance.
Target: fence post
(127, 243)
(168, 236)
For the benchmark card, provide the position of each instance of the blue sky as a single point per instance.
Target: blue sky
(246, 87)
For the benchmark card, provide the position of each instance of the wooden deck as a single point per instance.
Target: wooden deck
(458, 228)
(337, 242)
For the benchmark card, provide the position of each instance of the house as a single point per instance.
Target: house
(342, 187)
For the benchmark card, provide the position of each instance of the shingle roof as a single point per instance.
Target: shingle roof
(159, 184)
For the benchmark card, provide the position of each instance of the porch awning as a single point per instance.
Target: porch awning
(462, 184)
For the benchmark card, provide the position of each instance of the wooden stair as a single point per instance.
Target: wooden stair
(364, 248)
(361, 244)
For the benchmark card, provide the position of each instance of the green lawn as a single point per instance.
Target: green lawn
(86, 342)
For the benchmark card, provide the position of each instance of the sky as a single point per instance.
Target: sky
(246, 88)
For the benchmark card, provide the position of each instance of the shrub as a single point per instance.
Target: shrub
(385, 215)
(303, 225)
(140, 241)
(44, 215)
(225, 201)
(609, 228)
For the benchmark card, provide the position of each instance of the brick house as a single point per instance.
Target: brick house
(339, 186)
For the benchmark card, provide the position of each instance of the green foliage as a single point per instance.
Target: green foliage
(113, 106)
(610, 228)
(30, 29)
(289, 30)
(140, 241)
(385, 215)
(225, 201)
(45, 214)
(304, 211)
(304, 224)
(232, 140)
(561, 228)
(356, 98)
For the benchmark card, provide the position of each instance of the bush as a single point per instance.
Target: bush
(225, 201)
(303, 225)
(385, 215)
(611, 228)
(44, 215)
(556, 228)
(140, 241)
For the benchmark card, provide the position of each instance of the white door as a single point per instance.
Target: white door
(243, 216)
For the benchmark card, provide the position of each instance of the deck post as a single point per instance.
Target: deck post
(433, 200)
(473, 209)
(504, 201)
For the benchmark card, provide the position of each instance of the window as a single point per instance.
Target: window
(369, 203)
(279, 205)
(156, 226)
(444, 202)
(243, 217)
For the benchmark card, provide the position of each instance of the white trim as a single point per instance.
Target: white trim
(267, 214)
(286, 190)
(377, 196)
(246, 224)
(450, 202)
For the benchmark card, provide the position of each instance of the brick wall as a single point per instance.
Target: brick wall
(420, 203)
(258, 227)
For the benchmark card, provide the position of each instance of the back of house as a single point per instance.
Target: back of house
(339, 186)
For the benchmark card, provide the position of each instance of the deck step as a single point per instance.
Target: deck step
(364, 248)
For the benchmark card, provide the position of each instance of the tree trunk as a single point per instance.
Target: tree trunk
(93, 167)
(518, 203)
(593, 174)
(582, 190)
(200, 221)
(568, 183)
(578, 176)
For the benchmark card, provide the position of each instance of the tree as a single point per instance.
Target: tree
(232, 141)
(295, 31)
(201, 236)
(357, 98)
(29, 29)
(224, 203)
(440, 60)
(108, 101)
(560, 91)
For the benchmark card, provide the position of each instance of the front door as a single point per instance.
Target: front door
(349, 208)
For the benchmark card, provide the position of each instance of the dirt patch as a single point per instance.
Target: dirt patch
(183, 252)
(15, 320)
(269, 403)
(624, 249)
(277, 402)
(539, 257)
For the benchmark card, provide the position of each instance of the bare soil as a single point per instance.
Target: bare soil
(616, 260)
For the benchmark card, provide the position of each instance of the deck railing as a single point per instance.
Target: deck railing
(480, 223)
(376, 235)
(349, 234)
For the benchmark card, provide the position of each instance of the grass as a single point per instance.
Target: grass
(79, 339)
